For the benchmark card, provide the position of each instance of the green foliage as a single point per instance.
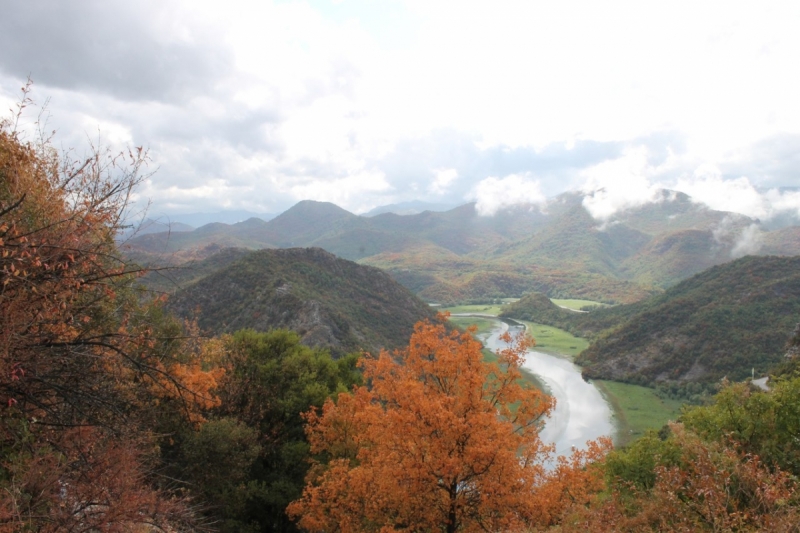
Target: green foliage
(725, 321)
(763, 424)
(634, 467)
(329, 301)
(766, 424)
(272, 380)
(218, 459)
(689, 392)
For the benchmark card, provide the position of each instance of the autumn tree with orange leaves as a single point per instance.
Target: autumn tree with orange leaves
(438, 439)
(84, 365)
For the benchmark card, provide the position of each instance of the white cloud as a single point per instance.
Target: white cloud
(493, 194)
(620, 184)
(444, 178)
(749, 242)
(312, 90)
(738, 195)
(630, 181)
(784, 201)
(707, 186)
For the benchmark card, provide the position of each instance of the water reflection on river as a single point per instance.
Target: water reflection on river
(581, 412)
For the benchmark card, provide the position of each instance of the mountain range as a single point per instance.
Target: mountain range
(458, 255)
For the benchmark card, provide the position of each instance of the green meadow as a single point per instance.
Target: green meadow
(484, 325)
(482, 309)
(637, 408)
(555, 341)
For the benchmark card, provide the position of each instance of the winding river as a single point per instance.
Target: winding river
(581, 412)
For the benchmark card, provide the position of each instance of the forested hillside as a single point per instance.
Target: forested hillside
(559, 248)
(330, 302)
(725, 321)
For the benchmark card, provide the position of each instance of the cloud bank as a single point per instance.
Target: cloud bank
(493, 194)
(257, 105)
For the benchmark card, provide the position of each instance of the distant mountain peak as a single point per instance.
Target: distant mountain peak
(410, 208)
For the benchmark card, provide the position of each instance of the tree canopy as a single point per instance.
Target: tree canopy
(85, 367)
(438, 440)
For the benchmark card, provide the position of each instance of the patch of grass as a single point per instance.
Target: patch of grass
(483, 309)
(485, 325)
(637, 409)
(555, 341)
(576, 305)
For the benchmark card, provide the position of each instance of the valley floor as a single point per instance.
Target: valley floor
(636, 409)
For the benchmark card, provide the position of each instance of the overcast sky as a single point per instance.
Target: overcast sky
(257, 105)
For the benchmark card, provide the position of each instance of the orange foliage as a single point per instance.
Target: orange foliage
(71, 344)
(714, 488)
(93, 483)
(440, 440)
(77, 348)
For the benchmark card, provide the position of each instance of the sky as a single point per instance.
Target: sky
(256, 105)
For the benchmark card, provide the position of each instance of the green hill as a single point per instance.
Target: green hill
(725, 321)
(784, 241)
(330, 302)
(671, 257)
(558, 248)
(537, 307)
(307, 221)
(170, 279)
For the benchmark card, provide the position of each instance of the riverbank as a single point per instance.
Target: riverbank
(485, 324)
(635, 409)
(581, 414)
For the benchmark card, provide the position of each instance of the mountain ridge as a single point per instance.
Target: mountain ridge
(632, 254)
(331, 302)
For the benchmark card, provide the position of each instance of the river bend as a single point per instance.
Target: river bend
(581, 412)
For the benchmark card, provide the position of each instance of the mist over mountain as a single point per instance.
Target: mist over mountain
(226, 217)
(409, 208)
(557, 247)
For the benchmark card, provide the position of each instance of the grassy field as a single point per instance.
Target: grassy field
(483, 309)
(555, 341)
(576, 304)
(484, 325)
(637, 408)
